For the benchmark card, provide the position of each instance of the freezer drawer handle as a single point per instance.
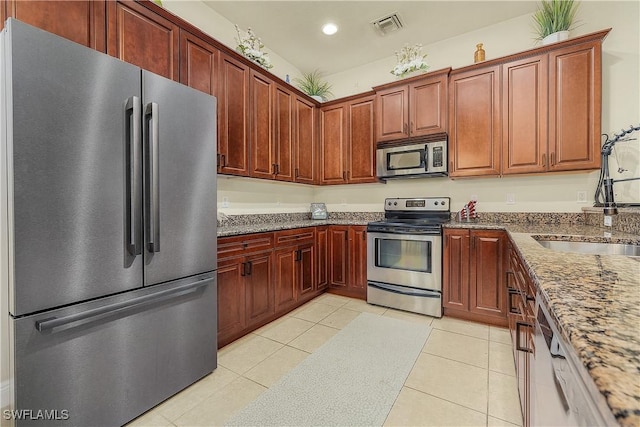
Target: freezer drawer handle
(132, 115)
(49, 324)
(152, 205)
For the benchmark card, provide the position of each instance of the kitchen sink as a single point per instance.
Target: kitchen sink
(592, 248)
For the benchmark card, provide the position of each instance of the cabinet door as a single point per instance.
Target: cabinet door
(306, 264)
(455, 271)
(233, 100)
(322, 251)
(305, 146)
(261, 124)
(393, 113)
(487, 287)
(285, 282)
(524, 115)
(198, 63)
(231, 295)
(338, 240)
(333, 136)
(81, 21)
(283, 114)
(141, 37)
(575, 107)
(358, 260)
(474, 122)
(259, 287)
(361, 157)
(428, 106)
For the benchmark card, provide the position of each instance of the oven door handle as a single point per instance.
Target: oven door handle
(404, 290)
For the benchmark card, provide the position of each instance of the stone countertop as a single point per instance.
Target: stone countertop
(275, 226)
(595, 301)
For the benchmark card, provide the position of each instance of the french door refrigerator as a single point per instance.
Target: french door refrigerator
(108, 244)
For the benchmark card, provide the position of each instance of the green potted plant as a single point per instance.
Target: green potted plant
(554, 19)
(312, 84)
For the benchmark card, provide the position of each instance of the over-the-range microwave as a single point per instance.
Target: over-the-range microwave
(412, 159)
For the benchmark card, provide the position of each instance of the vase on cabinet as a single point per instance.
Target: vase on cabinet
(317, 98)
(558, 36)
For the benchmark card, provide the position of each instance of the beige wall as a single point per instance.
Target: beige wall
(220, 28)
(543, 193)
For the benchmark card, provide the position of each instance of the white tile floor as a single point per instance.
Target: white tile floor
(463, 377)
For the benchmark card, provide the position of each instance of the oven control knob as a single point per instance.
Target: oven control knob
(436, 203)
(395, 203)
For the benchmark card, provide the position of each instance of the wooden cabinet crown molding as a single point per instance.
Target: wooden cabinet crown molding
(410, 80)
(587, 38)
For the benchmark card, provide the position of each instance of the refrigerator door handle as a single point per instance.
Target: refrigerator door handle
(96, 313)
(132, 114)
(153, 178)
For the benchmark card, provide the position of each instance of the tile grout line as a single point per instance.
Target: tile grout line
(446, 400)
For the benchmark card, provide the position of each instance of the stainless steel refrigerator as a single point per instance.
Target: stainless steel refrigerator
(108, 239)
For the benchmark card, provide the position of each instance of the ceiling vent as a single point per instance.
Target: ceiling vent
(388, 24)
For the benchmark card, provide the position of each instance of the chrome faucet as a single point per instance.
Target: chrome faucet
(610, 207)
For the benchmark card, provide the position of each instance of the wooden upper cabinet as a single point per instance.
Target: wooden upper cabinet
(198, 63)
(525, 115)
(81, 21)
(283, 137)
(233, 114)
(333, 136)
(261, 90)
(428, 105)
(141, 37)
(305, 146)
(416, 108)
(575, 107)
(475, 122)
(393, 113)
(361, 143)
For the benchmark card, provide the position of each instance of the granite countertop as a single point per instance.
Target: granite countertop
(595, 301)
(275, 226)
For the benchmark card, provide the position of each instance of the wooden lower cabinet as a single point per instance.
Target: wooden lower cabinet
(473, 275)
(259, 287)
(295, 276)
(522, 318)
(348, 260)
(322, 254)
(231, 292)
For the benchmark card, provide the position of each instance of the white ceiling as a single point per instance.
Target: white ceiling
(292, 29)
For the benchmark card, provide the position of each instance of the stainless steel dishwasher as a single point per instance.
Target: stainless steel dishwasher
(562, 392)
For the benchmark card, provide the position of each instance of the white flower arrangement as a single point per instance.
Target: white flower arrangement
(251, 47)
(410, 58)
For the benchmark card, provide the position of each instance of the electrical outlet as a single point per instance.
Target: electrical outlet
(607, 221)
(582, 197)
(225, 202)
(343, 201)
(511, 199)
(474, 197)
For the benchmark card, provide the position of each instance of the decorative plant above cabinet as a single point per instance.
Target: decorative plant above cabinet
(554, 19)
(410, 59)
(312, 84)
(251, 47)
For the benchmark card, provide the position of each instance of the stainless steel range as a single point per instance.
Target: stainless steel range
(404, 255)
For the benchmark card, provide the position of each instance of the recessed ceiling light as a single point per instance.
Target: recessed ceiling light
(329, 29)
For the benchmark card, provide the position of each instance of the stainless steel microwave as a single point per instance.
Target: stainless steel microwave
(411, 160)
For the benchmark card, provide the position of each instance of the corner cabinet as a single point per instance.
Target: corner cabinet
(473, 275)
(305, 168)
(347, 140)
(417, 107)
(348, 260)
(295, 267)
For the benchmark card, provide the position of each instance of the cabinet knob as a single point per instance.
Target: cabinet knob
(544, 160)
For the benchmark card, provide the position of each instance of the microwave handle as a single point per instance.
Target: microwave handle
(426, 158)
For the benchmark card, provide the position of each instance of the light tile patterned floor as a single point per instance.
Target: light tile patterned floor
(463, 377)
